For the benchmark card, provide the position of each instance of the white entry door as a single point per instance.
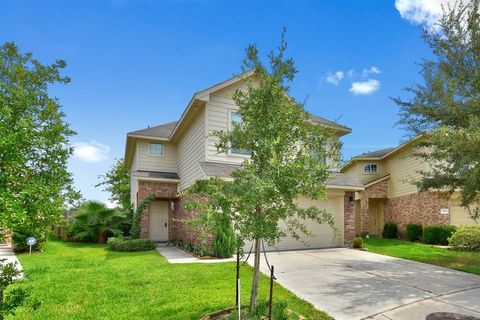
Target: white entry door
(158, 220)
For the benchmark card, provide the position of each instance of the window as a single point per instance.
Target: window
(370, 168)
(235, 118)
(156, 149)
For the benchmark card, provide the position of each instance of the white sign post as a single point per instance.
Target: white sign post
(31, 241)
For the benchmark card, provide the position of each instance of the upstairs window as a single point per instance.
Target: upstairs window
(370, 169)
(156, 149)
(235, 118)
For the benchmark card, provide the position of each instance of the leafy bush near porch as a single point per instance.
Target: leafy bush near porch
(192, 248)
(467, 237)
(437, 234)
(414, 231)
(130, 245)
(390, 230)
(357, 243)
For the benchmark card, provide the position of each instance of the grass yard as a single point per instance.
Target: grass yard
(85, 281)
(459, 260)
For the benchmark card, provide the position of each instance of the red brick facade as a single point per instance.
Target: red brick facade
(423, 208)
(349, 217)
(162, 191)
(180, 230)
(376, 191)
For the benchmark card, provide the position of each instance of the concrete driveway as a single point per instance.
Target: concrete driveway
(350, 284)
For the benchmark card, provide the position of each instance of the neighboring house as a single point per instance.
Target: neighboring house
(166, 159)
(390, 193)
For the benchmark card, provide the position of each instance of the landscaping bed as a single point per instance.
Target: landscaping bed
(87, 281)
(467, 261)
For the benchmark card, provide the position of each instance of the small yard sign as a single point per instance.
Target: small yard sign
(445, 211)
(31, 241)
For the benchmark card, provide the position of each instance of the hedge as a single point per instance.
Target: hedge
(437, 234)
(130, 245)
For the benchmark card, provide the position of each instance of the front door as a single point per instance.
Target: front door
(375, 216)
(158, 220)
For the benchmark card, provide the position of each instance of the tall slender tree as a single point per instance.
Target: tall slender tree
(445, 109)
(286, 150)
(34, 181)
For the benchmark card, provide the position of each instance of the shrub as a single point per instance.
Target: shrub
(224, 243)
(130, 245)
(19, 241)
(390, 230)
(357, 243)
(414, 231)
(437, 234)
(467, 237)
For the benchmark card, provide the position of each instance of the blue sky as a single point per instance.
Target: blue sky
(137, 63)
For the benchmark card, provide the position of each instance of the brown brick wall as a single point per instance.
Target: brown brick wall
(423, 208)
(349, 217)
(162, 191)
(180, 229)
(376, 191)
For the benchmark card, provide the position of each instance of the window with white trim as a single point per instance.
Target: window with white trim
(370, 169)
(156, 149)
(235, 118)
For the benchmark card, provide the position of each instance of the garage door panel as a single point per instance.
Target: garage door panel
(322, 236)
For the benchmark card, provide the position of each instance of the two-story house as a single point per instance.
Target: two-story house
(167, 159)
(390, 193)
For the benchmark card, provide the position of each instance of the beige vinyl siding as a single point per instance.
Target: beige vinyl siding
(165, 163)
(133, 180)
(458, 215)
(218, 111)
(133, 190)
(356, 171)
(403, 173)
(191, 151)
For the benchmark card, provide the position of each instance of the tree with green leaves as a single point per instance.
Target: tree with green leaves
(35, 185)
(116, 181)
(285, 147)
(94, 221)
(444, 111)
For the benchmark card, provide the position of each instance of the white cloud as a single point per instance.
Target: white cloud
(422, 12)
(365, 87)
(335, 78)
(371, 70)
(91, 151)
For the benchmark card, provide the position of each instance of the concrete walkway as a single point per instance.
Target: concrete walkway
(6, 252)
(350, 284)
(175, 255)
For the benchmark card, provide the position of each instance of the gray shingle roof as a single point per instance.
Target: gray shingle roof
(160, 131)
(329, 123)
(375, 154)
(340, 179)
(156, 174)
(223, 170)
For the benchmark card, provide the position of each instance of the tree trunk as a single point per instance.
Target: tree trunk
(256, 273)
(101, 237)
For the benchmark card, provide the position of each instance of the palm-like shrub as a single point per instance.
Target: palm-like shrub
(95, 221)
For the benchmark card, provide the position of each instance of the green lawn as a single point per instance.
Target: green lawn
(85, 281)
(454, 259)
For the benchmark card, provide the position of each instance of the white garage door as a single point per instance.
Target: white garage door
(323, 236)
